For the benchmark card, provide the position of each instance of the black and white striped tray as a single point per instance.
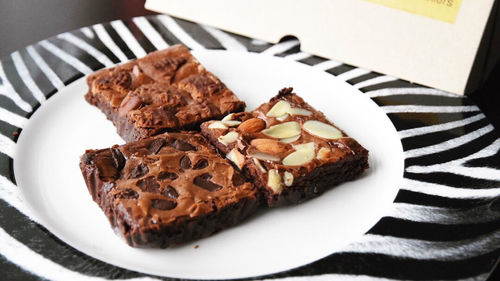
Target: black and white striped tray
(445, 220)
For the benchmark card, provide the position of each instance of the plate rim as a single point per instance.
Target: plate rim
(51, 225)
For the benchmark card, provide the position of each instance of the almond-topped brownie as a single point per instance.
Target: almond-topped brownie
(290, 150)
(167, 189)
(167, 90)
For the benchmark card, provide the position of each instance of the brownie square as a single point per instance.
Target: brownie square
(168, 189)
(289, 150)
(167, 90)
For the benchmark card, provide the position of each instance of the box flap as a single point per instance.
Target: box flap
(411, 46)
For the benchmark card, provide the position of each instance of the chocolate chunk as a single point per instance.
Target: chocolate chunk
(237, 179)
(183, 146)
(156, 145)
(127, 194)
(284, 92)
(169, 65)
(106, 167)
(118, 158)
(185, 162)
(167, 176)
(202, 163)
(204, 182)
(119, 80)
(163, 205)
(204, 85)
(139, 171)
(123, 80)
(164, 115)
(148, 184)
(170, 192)
(155, 116)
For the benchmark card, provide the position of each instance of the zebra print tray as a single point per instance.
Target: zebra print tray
(444, 223)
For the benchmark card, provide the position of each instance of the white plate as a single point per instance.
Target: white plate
(47, 172)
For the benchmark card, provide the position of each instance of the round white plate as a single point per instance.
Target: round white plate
(47, 172)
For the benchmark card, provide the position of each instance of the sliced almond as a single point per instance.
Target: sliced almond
(236, 157)
(322, 130)
(228, 138)
(323, 153)
(259, 165)
(129, 103)
(252, 125)
(288, 178)
(280, 108)
(264, 156)
(299, 111)
(303, 155)
(309, 146)
(290, 140)
(139, 77)
(231, 123)
(274, 181)
(271, 146)
(228, 117)
(136, 71)
(282, 117)
(217, 125)
(283, 131)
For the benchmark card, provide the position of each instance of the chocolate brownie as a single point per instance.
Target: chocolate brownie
(290, 150)
(167, 189)
(167, 90)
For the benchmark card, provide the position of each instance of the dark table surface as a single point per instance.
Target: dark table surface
(24, 22)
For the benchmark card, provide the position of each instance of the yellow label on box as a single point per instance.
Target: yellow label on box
(443, 10)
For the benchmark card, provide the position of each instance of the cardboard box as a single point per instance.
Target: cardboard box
(430, 42)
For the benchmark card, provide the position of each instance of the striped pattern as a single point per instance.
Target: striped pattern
(444, 223)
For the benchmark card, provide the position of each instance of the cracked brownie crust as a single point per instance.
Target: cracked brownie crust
(167, 90)
(166, 190)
